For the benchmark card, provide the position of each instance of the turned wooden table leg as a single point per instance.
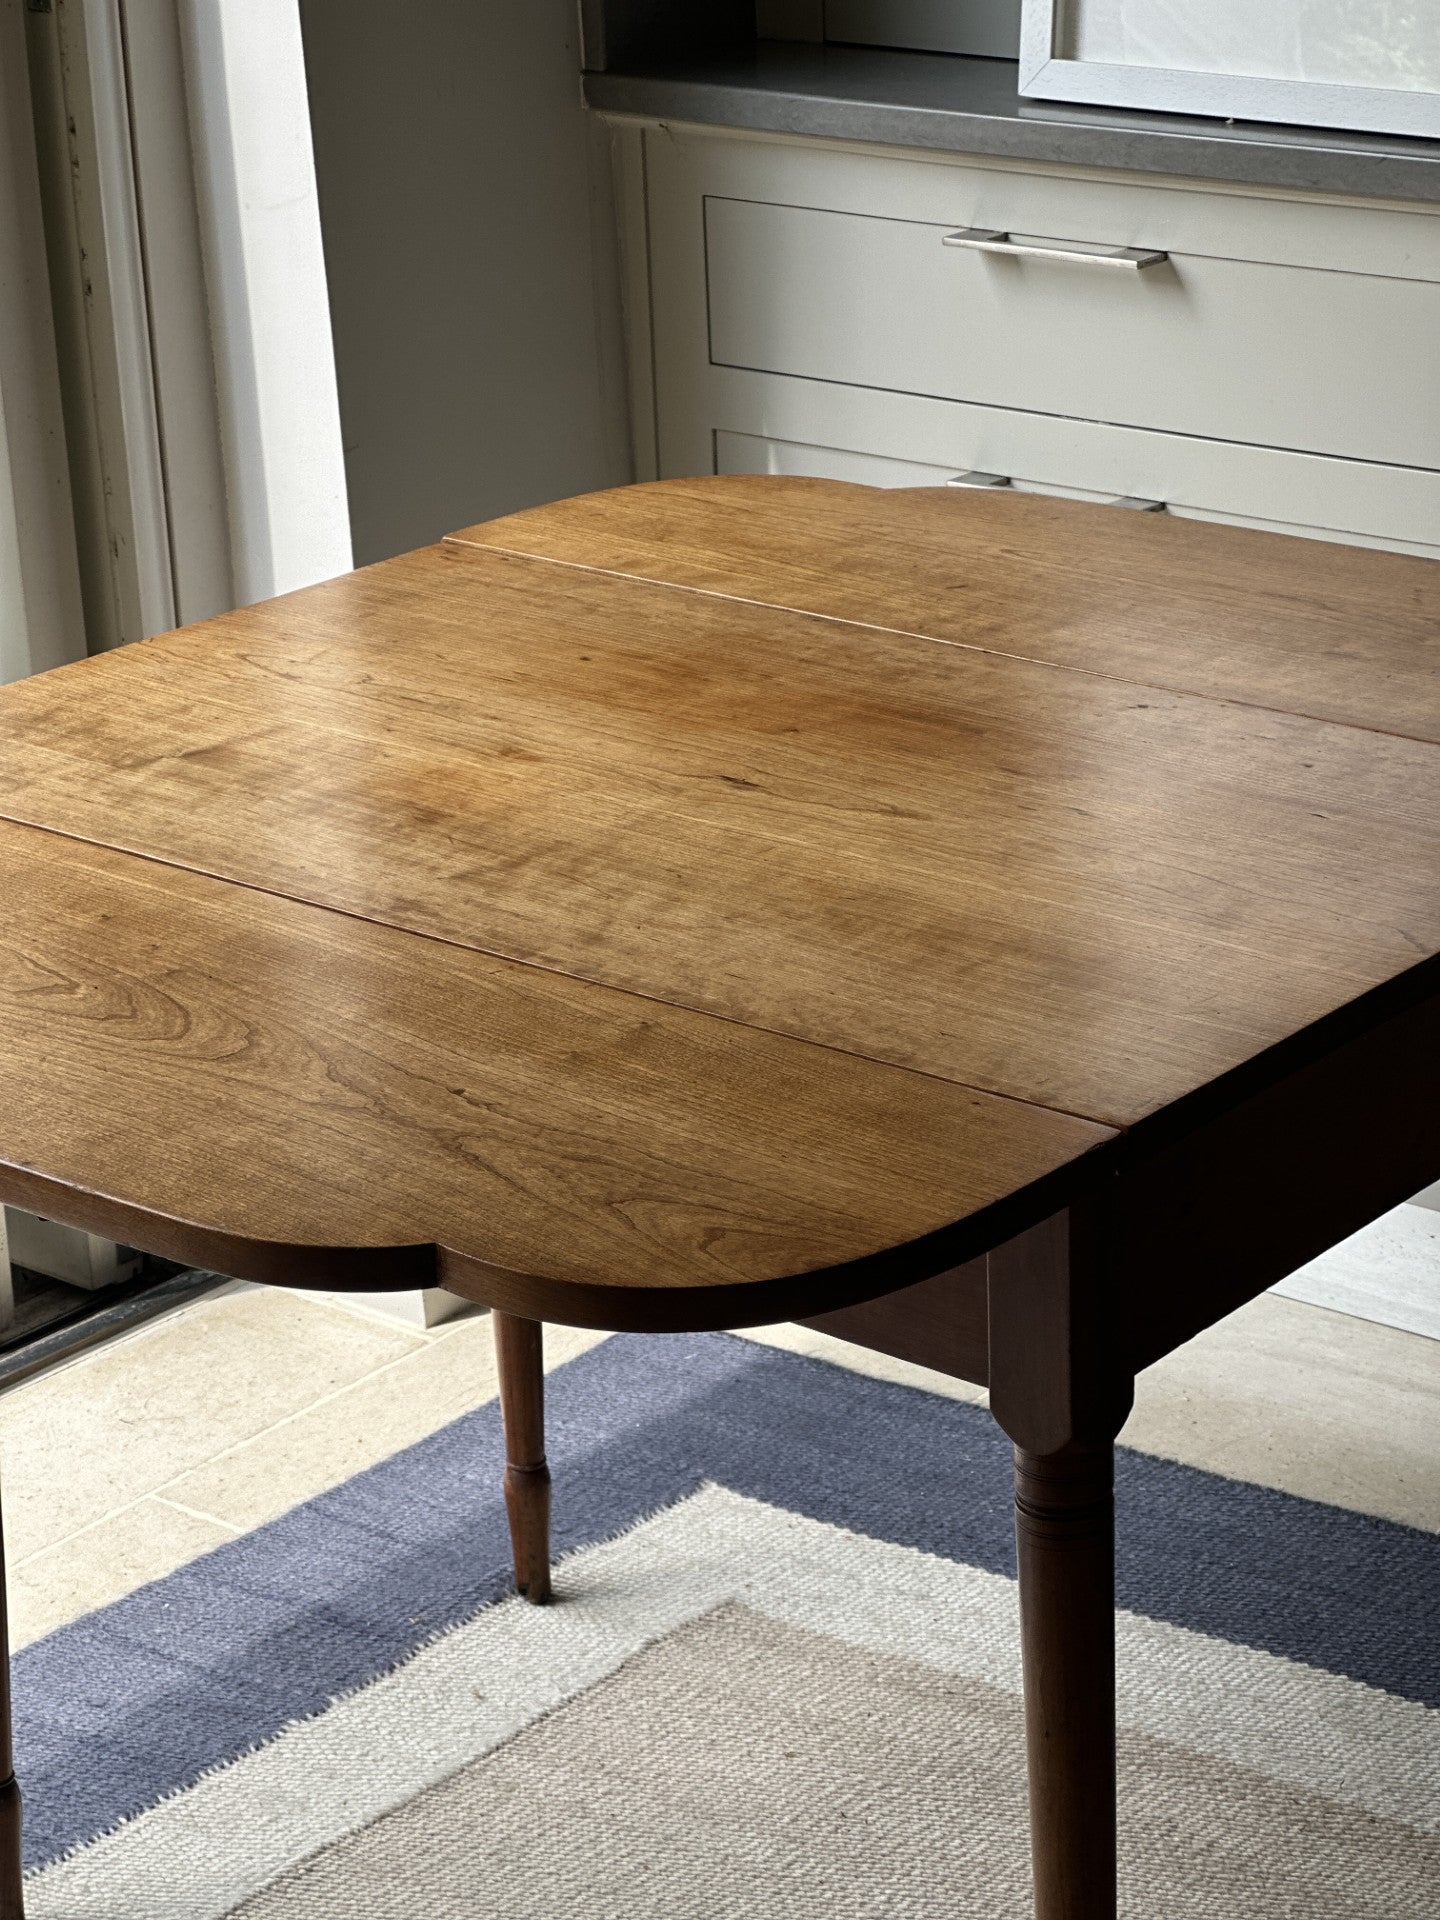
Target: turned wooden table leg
(12, 1899)
(520, 1358)
(1061, 1391)
(1065, 1541)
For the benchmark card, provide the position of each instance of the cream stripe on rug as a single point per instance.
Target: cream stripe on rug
(1293, 1737)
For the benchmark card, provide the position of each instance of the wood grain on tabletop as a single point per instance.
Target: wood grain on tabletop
(250, 1082)
(1060, 887)
(1316, 627)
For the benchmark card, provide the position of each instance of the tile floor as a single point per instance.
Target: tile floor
(127, 1461)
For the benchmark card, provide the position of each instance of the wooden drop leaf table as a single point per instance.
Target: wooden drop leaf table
(998, 930)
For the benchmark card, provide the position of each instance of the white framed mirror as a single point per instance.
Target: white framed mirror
(1318, 63)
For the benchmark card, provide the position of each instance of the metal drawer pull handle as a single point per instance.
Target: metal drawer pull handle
(983, 240)
(1137, 503)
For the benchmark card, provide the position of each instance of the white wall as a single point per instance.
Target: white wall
(471, 256)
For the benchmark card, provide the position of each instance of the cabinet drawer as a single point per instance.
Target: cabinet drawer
(1257, 352)
(765, 423)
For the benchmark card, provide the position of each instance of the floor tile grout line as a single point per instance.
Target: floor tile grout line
(353, 1306)
(336, 1301)
(196, 1513)
(296, 1413)
(158, 1491)
(163, 1323)
(232, 1529)
(160, 1494)
(339, 1393)
(66, 1364)
(78, 1533)
(326, 1399)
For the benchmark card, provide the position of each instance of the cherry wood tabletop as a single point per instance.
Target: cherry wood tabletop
(706, 902)
(281, 1091)
(1334, 631)
(1002, 931)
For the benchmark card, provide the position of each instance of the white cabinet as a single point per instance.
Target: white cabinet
(1279, 367)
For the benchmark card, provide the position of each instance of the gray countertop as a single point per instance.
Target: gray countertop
(948, 104)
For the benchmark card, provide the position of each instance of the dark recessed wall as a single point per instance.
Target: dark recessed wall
(620, 33)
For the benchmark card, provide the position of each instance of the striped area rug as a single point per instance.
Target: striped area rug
(781, 1677)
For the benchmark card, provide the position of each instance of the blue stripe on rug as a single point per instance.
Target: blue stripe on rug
(135, 1701)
